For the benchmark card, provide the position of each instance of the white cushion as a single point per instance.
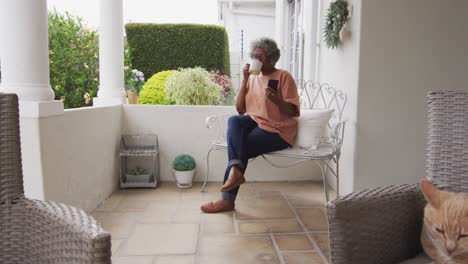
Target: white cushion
(311, 126)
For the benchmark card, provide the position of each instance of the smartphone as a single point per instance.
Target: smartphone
(273, 84)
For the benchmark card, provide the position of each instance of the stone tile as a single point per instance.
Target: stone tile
(323, 243)
(218, 228)
(304, 199)
(218, 218)
(313, 218)
(269, 226)
(132, 260)
(120, 225)
(263, 208)
(269, 194)
(131, 205)
(109, 204)
(154, 239)
(212, 187)
(265, 186)
(194, 194)
(293, 242)
(303, 187)
(115, 245)
(302, 258)
(175, 260)
(164, 191)
(231, 249)
(158, 212)
(187, 212)
(217, 223)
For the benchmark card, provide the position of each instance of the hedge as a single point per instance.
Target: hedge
(159, 47)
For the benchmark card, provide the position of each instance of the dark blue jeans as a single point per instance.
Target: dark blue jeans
(246, 140)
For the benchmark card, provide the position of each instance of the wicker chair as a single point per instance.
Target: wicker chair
(383, 225)
(33, 231)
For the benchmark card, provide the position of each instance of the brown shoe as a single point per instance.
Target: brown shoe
(235, 179)
(218, 206)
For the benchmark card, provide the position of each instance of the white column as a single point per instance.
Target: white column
(111, 54)
(280, 26)
(24, 49)
(310, 22)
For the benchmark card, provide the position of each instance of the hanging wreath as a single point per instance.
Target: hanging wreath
(337, 16)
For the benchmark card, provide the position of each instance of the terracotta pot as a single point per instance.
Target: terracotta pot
(132, 97)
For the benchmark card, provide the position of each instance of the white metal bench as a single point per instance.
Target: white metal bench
(312, 95)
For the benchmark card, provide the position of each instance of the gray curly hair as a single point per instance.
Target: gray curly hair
(269, 46)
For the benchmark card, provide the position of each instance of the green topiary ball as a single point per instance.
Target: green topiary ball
(183, 162)
(154, 91)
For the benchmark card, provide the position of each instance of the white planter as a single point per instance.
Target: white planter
(138, 178)
(184, 179)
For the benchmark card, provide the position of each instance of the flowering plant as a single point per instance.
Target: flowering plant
(225, 83)
(135, 81)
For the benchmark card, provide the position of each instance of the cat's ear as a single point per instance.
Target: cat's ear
(431, 194)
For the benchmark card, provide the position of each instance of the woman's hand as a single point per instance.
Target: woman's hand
(246, 72)
(272, 95)
(283, 106)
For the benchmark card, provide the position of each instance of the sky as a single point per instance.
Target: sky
(154, 11)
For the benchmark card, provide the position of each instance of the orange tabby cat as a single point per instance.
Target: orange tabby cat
(445, 230)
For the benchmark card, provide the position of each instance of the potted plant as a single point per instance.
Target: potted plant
(192, 86)
(184, 169)
(134, 85)
(138, 174)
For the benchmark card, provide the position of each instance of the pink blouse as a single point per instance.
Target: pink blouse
(265, 112)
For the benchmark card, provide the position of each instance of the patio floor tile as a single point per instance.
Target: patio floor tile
(263, 208)
(302, 258)
(313, 218)
(175, 260)
(155, 239)
(229, 249)
(293, 242)
(166, 225)
(269, 226)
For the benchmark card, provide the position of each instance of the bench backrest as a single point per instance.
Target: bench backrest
(315, 95)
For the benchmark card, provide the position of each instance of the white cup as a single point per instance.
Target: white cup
(255, 67)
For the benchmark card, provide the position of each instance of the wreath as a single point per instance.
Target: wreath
(337, 16)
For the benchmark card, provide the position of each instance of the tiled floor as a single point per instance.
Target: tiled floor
(274, 222)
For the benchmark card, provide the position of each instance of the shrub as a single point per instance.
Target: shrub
(193, 86)
(154, 91)
(73, 60)
(183, 162)
(159, 47)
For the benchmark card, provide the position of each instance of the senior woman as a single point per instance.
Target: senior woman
(266, 121)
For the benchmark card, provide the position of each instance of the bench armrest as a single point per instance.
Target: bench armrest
(216, 120)
(337, 131)
(218, 124)
(382, 225)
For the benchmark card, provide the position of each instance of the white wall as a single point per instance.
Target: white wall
(80, 155)
(407, 49)
(255, 19)
(181, 129)
(340, 68)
